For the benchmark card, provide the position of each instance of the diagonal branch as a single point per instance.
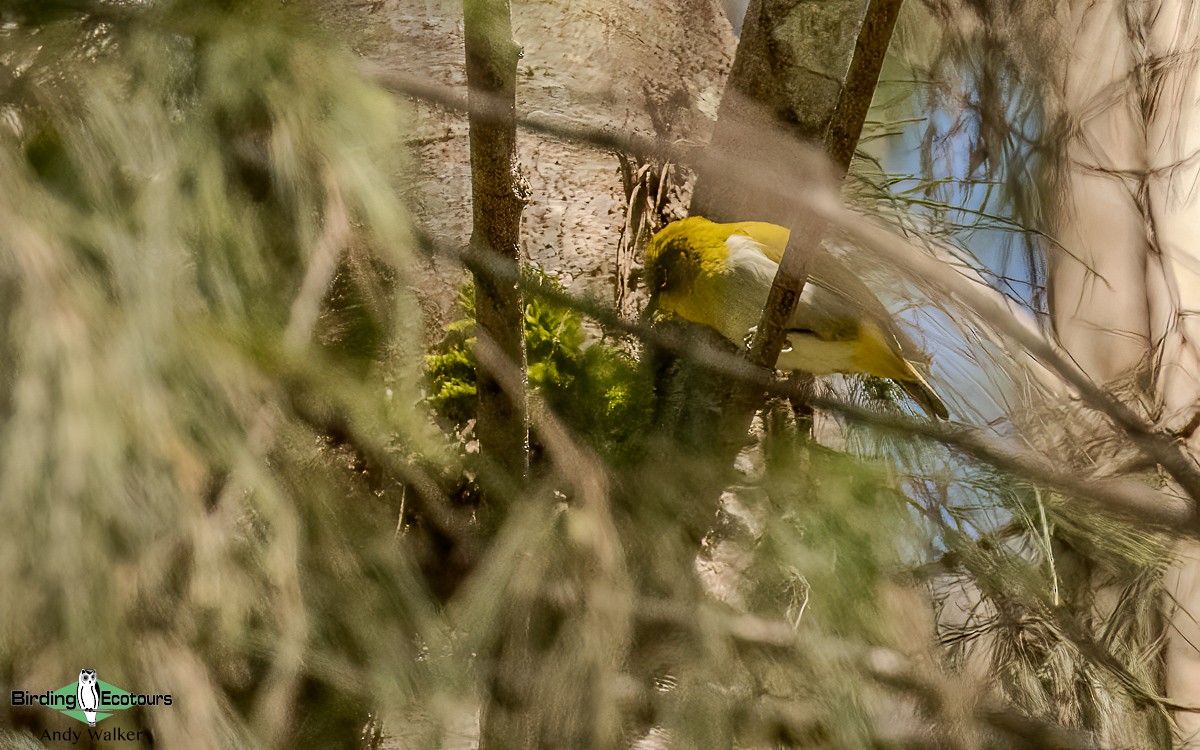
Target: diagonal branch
(1164, 449)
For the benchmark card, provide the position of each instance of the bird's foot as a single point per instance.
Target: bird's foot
(749, 337)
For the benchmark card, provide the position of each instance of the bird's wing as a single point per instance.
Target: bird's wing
(772, 239)
(831, 273)
(747, 281)
(832, 276)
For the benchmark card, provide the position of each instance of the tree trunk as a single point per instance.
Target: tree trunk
(1174, 293)
(805, 70)
(1125, 285)
(499, 193)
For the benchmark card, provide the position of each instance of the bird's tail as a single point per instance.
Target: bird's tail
(919, 389)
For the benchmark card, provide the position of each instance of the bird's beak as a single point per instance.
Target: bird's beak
(649, 311)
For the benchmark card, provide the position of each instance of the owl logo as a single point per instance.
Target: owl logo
(88, 695)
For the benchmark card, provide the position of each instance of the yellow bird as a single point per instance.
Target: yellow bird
(719, 275)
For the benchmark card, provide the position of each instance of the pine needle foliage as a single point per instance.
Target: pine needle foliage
(220, 477)
(180, 181)
(1066, 605)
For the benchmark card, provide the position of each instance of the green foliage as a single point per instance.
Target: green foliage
(597, 389)
(840, 522)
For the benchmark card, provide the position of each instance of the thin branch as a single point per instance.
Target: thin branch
(322, 265)
(902, 254)
(430, 502)
(498, 196)
(578, 464)
(1130, 499)
(800, 176)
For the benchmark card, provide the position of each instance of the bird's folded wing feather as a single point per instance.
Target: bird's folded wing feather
(832, 275)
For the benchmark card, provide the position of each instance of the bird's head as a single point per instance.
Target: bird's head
(677, 257)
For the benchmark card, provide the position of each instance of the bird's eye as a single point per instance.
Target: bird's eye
(847, 331)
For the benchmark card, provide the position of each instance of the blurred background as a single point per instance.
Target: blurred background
(328, 403)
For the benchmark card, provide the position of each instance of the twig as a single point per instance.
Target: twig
(802, 177)
(429, 500)
(902, 254)
(429, 140)
(581, 466)
(322, 265)
(1129, 499)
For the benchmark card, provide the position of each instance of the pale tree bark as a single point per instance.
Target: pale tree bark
(1175, 305)
(1125, 286)
(1097, 282)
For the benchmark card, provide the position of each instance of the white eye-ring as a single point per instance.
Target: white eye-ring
(748, 339)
